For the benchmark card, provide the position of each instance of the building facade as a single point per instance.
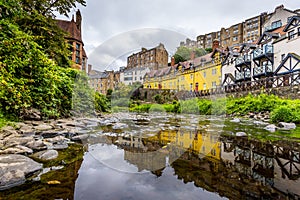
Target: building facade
(202, 73)
(133, 75)
(154, 58)
(74, 39)
(102, 81)
(247, 31)
(273, 61)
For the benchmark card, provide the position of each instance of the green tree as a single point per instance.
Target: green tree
(35, 18)
(184, 53)
(32, 53)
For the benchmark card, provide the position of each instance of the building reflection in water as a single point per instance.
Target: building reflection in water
(235, 167)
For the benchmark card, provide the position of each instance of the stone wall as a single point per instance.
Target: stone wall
(149, 94)
(289, 92)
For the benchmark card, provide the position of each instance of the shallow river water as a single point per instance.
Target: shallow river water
(165, 156)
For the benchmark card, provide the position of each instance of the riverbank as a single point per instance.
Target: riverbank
(267, 107)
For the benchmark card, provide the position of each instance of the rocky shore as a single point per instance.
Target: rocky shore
(25, 145)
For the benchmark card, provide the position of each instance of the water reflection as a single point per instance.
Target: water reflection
(180, 163)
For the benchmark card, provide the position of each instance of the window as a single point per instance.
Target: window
(77, 46)
(213, 71)
(214, 84)
(128, 79)
(299, 31)
(77, 60)
(291, 35)
(191, 76)
(204, 86)
(204, 74)
(276, 24)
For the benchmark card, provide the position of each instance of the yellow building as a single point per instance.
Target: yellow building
(202, 73)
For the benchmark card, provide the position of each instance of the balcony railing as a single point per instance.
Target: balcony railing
(242, 59)
(239, 75)
(266, 49)
(263, 69)
(242, 75)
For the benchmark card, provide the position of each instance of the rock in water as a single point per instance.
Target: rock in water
(235, 120)
(286, 126)
(271, 128)
(14, 168)
(46, 155)
(241, 134)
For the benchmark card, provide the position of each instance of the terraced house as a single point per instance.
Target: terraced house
(272, 62)
(199, 74)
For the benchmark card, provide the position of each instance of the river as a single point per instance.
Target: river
(168, 156)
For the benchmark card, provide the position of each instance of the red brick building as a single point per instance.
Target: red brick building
(74, 38)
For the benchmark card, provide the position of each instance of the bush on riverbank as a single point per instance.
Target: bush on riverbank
(281, 109)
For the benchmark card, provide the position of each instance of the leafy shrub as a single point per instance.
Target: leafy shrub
(204, 107)
(141, 108)
(189, 106)
(157, 108)
(158, 99)
(101, 102)
(218, 106)
(283, 113)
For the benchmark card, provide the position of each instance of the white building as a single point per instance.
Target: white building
(278, 18)
(133, 75)
(277, 54)
(287, 53)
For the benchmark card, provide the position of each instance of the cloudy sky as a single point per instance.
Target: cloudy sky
(114, 29)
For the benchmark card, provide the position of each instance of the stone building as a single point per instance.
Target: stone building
(232, 36)
(252, 28)
(102, 81)
(74, 39)
(249, 30)
(154, 58)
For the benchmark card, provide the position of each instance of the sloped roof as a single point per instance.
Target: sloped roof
(99, 75)
(290, 22)
(71, 28)
(273, 34)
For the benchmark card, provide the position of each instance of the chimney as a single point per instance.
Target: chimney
(78, 19)
(193, 55)
(89, 68)
(216, 44)
(280, 7)
(172, 61)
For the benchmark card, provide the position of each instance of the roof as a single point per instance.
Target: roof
(272, 34)
(291, 22)
(99, 75)
(71, 28)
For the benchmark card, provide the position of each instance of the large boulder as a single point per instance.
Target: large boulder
(286, 126)
(14, 168)
(46, 155)
(271, 128)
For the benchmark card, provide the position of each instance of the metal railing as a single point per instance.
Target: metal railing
(263, 69)
(268, 48)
